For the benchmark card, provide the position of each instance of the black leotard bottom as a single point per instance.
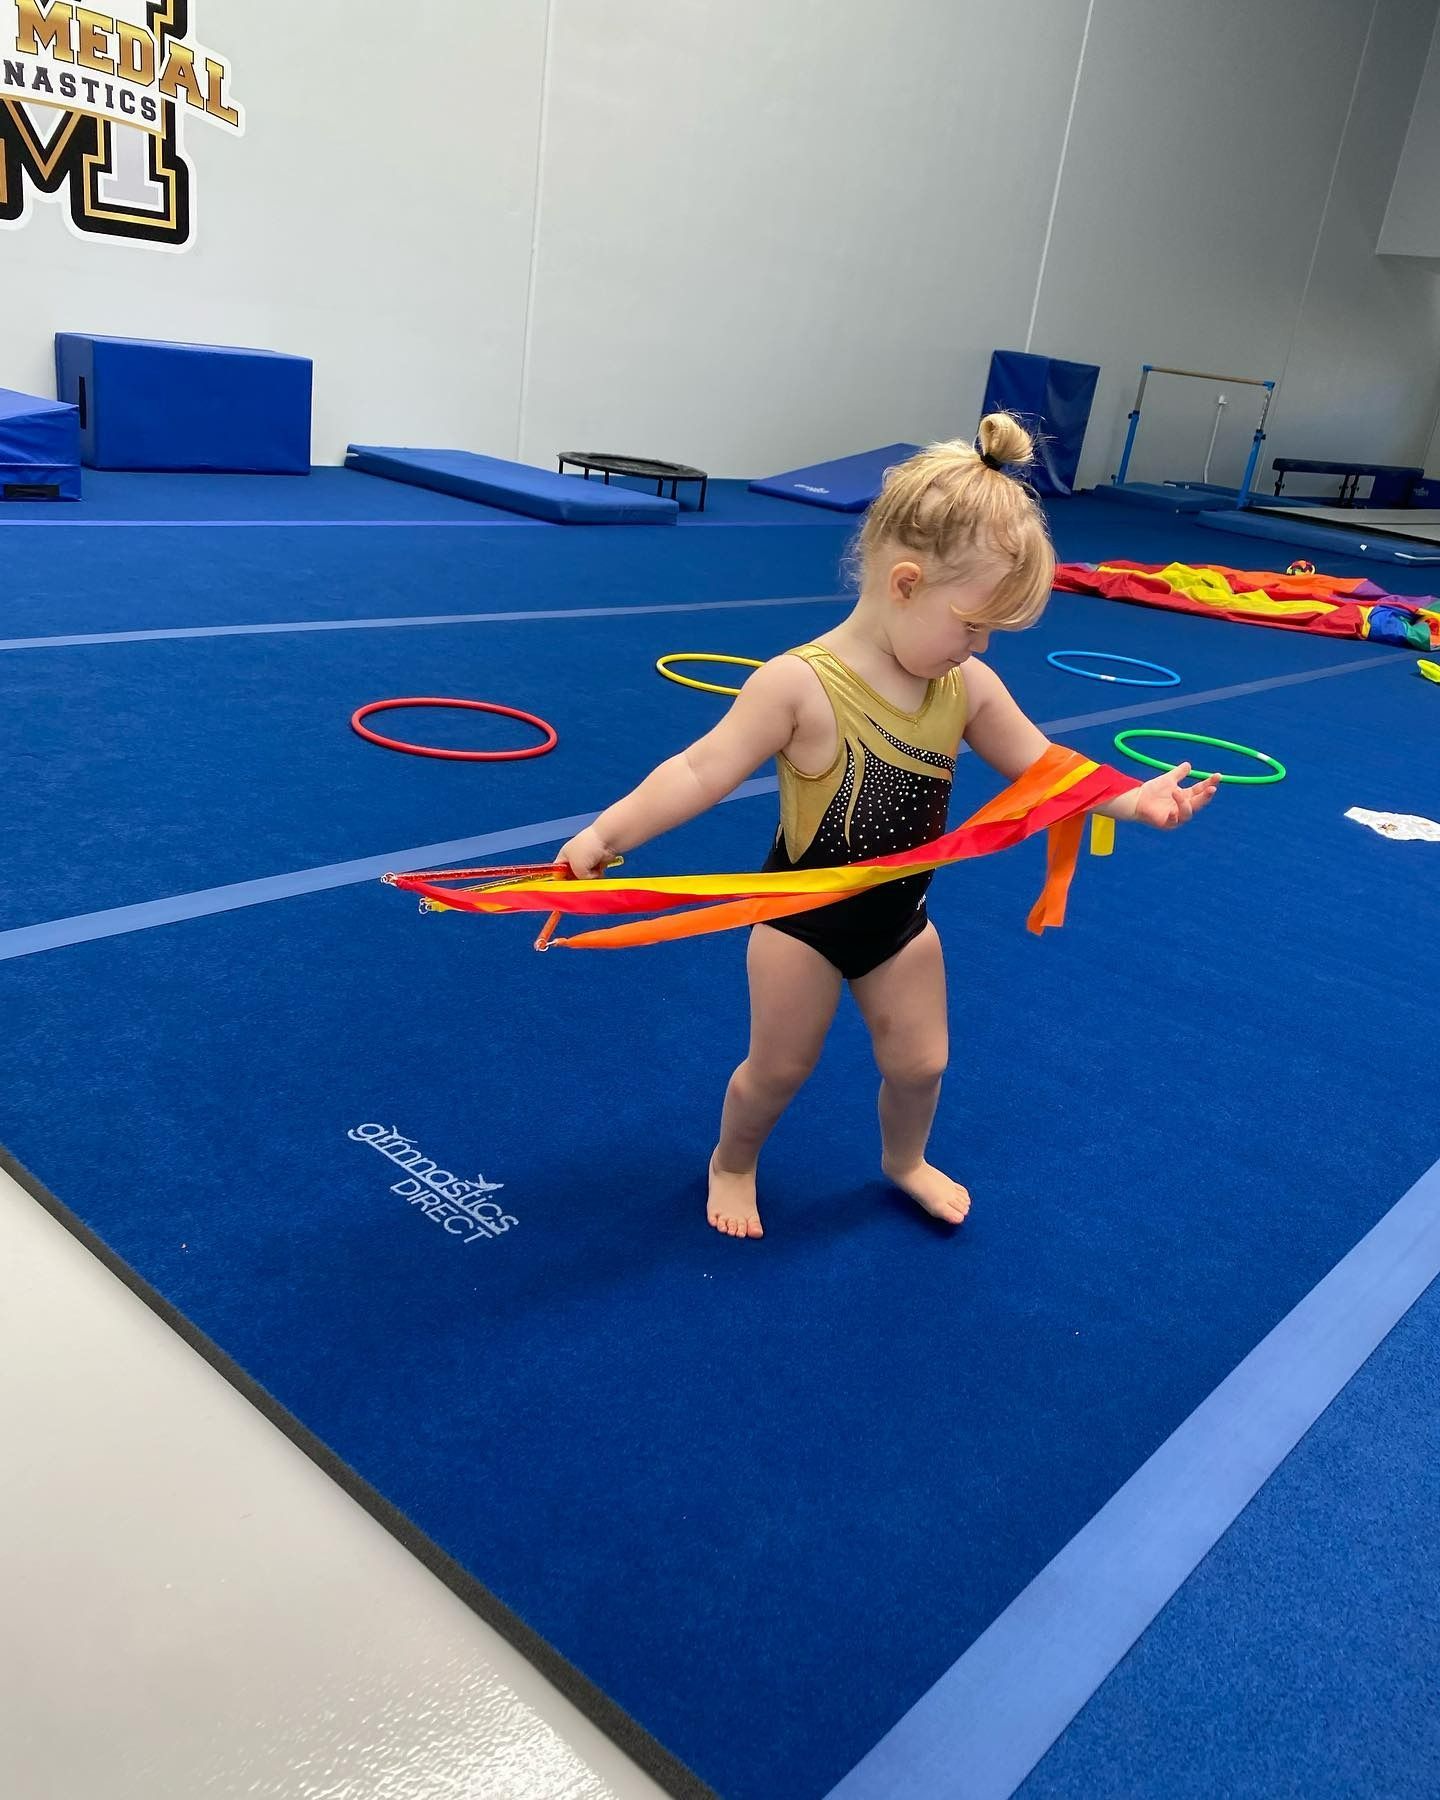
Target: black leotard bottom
(858, 934)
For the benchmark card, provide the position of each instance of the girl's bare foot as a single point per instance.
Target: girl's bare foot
(732, 1207)
(938, 1194)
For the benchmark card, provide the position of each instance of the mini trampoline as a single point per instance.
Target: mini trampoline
(643, 468)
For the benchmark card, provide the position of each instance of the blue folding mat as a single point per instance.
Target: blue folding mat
(848, 484)
(1358, 535)
(39, 448)
(1162, 496)
(745, 1502)
(1053, 398)
(519, 487)
(201, 408)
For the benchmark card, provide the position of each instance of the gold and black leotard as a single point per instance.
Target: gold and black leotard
(887, 789)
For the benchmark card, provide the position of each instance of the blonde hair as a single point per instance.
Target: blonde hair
(953, 508)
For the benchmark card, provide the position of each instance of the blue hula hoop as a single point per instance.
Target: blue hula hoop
(1171, 679)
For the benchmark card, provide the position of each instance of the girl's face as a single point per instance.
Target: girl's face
(935, 624)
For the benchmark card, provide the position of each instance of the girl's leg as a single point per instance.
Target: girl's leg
(903, 1003)
(793, 996)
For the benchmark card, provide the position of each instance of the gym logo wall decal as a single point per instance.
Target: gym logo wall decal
(463, 1208)
(92, 115)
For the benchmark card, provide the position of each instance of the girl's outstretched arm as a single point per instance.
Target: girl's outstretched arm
(1001, 734)
(995, 728)
(759, 725)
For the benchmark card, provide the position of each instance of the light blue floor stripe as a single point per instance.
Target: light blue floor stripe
(85, 928)
(1176, 702)
(693, 524)
(266, 524)
(402, 623)
(82, 928)
(986, 1723)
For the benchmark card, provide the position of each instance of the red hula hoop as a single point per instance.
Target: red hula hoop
(552, 737)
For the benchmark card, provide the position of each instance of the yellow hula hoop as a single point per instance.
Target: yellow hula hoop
(705, 656)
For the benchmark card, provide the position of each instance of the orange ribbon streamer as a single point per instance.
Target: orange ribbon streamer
(1054, 794)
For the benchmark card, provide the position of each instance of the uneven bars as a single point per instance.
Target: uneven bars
(1149, 369)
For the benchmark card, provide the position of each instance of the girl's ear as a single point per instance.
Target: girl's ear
(904, 579)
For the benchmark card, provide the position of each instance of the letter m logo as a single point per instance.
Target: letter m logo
(118, 181)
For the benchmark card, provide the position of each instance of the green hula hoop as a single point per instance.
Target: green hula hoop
(1194, 737)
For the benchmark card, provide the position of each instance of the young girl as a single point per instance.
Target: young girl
(865, 724)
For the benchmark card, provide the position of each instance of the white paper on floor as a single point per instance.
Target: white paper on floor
(1396, 825)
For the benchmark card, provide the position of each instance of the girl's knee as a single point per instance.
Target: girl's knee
(776, 1073)
(912, 1065)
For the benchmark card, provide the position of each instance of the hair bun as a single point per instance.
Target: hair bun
(1004, 440)
(944, 509)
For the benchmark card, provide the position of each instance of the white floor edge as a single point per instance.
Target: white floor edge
(193, 1609)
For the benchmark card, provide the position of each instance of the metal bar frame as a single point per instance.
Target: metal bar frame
(1205, 375)
(1149, 369)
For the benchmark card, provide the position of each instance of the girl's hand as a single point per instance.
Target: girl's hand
(1164, 803)
(587, 854)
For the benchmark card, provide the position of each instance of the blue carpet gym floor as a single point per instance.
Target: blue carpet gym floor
(866, 1508)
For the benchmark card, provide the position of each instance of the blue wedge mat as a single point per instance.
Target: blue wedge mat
(909, 1425)
(847, 484)
(39, 448)
(328, 496)
(565, 499)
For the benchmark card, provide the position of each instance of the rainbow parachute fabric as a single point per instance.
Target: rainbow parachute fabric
(1053, 795)
(1331, 605)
